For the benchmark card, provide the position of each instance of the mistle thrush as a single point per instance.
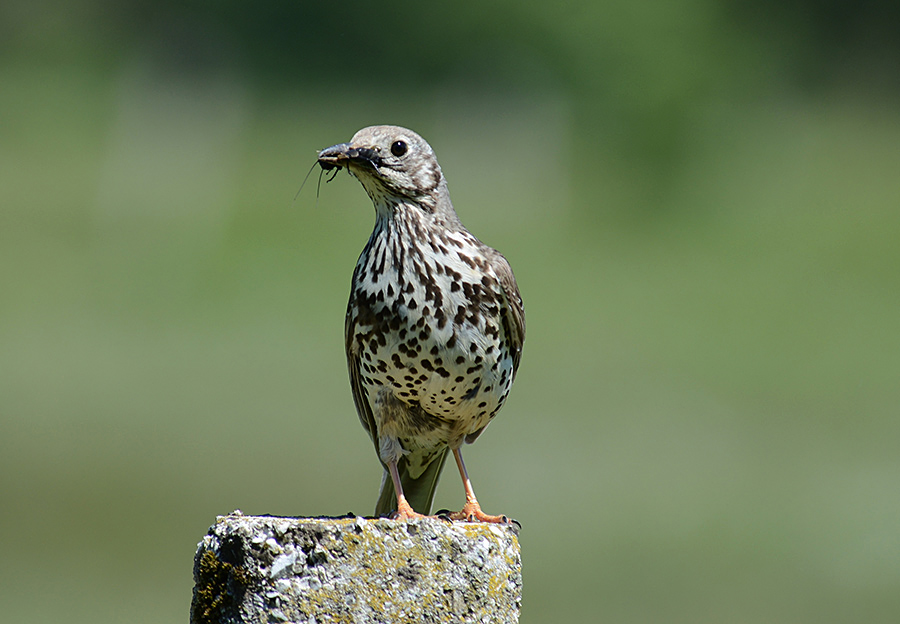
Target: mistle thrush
(435, 323)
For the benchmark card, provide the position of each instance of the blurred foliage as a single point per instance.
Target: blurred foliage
(700, 200)
(635, 70)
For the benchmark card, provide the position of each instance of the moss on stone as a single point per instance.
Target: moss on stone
(219, 589)
(356, 570)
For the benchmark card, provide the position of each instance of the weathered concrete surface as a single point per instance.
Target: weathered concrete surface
(318, 570)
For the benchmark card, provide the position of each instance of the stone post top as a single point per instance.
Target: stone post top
(355, 569)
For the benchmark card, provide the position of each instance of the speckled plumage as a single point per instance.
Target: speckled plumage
(435, 324)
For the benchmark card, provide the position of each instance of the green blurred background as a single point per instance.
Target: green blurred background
(701, 201)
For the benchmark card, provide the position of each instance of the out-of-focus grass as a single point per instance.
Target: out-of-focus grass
(702, 430)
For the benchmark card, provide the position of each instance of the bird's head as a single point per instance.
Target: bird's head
(395, 166)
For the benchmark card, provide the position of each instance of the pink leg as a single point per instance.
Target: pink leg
(404, 509)
(471, 512)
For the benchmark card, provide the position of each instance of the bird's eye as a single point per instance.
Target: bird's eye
(398, 148)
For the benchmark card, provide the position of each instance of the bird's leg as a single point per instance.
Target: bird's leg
(404, 509)
(471, 512)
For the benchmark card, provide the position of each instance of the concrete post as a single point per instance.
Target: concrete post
(355, 570)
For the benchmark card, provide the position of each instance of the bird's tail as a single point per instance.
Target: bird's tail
(419, 492)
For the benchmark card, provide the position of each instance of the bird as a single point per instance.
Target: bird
(434, 327)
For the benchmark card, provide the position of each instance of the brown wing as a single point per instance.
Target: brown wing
(360, 399)
(512, 316)
(513, 311)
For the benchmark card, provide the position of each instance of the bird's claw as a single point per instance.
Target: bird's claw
(472, 513)
(405, 512)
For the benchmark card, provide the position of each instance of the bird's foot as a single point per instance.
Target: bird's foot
(405, 511)
(472, 513)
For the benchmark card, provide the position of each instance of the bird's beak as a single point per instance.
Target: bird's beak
(345, 154)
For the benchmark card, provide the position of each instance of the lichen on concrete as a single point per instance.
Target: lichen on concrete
(356, 570)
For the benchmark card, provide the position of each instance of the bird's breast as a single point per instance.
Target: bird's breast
(428, 327)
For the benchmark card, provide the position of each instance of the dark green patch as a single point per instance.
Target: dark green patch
(219, 589)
